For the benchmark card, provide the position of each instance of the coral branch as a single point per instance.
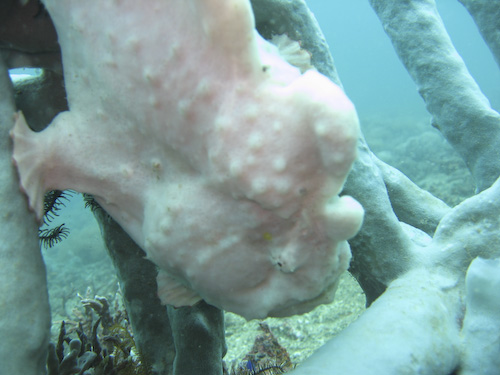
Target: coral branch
(458, 107)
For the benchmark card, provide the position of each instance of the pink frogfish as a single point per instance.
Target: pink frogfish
(221, 160)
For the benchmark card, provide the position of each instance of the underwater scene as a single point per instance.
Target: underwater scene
(247, 187)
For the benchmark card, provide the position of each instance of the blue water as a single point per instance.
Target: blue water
(370, 70)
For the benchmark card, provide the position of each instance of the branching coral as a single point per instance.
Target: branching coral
(103, 347)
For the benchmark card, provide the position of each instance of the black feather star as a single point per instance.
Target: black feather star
(53, 202)
(266, 369)
(91, 203)
(51, 236)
